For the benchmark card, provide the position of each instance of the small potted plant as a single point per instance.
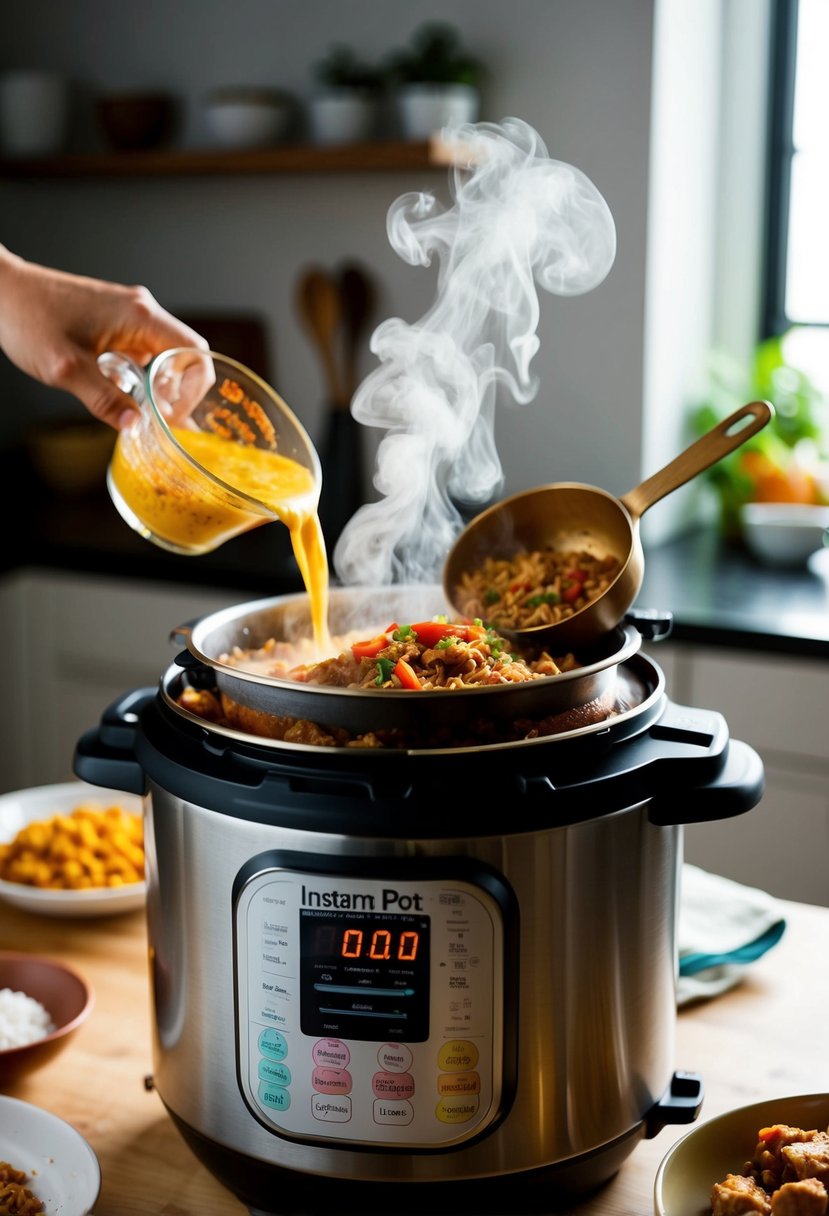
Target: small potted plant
(343, 107)
(436, 81)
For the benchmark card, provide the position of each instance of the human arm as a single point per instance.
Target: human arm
(53, 326)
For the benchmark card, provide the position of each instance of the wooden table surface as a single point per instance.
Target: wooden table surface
(764, 1039)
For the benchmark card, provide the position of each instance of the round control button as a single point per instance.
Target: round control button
(274, 1073)
(273, 1044)
(331, 1081)
(393, 1085)
(395, 1057)
(331, 1053)
(457, 1055)
(457, 1110)
(274, 1097)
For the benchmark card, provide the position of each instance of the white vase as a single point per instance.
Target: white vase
(34, 113)
(341, 116)
(425, 109)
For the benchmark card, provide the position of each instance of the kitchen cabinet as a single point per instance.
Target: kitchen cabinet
(780, 706)
(77, 642)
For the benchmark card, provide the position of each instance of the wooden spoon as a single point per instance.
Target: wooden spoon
(320, 308)
(358, 299)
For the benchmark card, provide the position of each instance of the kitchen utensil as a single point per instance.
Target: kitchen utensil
(569, 516)
(397, 963)
(65, 995)
(165, 491)
(286, 618)
(320, 308)
(18, 808)
(358, 301)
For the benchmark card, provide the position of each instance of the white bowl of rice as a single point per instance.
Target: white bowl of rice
(42, 1004)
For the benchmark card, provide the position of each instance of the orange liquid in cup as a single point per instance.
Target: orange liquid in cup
(199, 516)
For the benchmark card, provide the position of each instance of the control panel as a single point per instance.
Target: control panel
(370, 1011)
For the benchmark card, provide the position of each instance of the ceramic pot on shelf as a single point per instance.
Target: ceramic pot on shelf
(424, 109)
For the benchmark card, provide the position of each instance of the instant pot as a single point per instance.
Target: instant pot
(451, 965)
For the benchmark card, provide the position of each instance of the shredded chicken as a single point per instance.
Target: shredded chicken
(788, 1175)
(737, 1195)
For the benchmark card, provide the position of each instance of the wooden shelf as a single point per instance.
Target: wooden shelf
(353, 158)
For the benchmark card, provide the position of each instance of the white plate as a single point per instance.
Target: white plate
(41, 802)
(61, 1168)
(721, 1146)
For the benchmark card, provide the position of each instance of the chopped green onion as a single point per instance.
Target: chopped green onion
(446, 642)
(492, 596)
(549, 597)
(403, 634)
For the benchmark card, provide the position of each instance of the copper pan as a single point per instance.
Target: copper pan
(572, 516)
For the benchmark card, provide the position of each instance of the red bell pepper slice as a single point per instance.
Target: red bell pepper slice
(571, 594)
(371, 647)
(406, 675)
(429, 633)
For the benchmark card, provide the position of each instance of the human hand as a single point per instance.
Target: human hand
(53, 325)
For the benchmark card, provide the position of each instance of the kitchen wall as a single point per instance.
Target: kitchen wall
(581, 74)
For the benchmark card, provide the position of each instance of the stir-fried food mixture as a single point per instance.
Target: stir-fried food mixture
(92, 846)
(15, 1198)
(427, 655)
(788, 1175)
(542, 587)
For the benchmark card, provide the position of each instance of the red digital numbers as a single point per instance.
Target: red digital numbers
(381, 946)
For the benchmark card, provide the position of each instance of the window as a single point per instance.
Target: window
(797, 275)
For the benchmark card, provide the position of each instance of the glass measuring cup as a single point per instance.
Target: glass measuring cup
(214, 452)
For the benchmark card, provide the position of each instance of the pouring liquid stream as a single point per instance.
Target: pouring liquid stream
(189, 521)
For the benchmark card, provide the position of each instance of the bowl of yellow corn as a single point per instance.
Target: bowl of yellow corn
(72, 850)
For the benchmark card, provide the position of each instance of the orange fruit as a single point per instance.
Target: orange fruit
(775, 484)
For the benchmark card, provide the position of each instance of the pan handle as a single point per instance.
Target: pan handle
(722, 439)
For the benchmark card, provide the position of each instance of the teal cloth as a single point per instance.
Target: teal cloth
(724, 926)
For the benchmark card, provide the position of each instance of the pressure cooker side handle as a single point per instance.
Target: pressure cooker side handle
(105, 755)
(736, 789)
(680, 1103)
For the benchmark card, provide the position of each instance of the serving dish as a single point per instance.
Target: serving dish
(65, 995)
(21, 807)
(63, 1170)
(784, 533)
(721, 1146)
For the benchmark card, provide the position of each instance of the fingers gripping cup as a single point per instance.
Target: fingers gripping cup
(214, 452)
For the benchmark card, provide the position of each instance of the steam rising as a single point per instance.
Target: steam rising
(519, 221)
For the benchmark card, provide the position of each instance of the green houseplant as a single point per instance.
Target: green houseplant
(435, 80)
(785, 462)
(343, 107)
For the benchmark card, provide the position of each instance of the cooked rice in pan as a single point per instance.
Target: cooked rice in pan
(541, 587)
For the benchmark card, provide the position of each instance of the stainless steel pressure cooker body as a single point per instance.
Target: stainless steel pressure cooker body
(452, 968)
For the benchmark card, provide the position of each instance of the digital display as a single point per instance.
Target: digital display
(364, 976)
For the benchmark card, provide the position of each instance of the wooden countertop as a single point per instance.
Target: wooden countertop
(758, 1041)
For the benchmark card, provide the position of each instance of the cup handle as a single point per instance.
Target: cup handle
(123, 372)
